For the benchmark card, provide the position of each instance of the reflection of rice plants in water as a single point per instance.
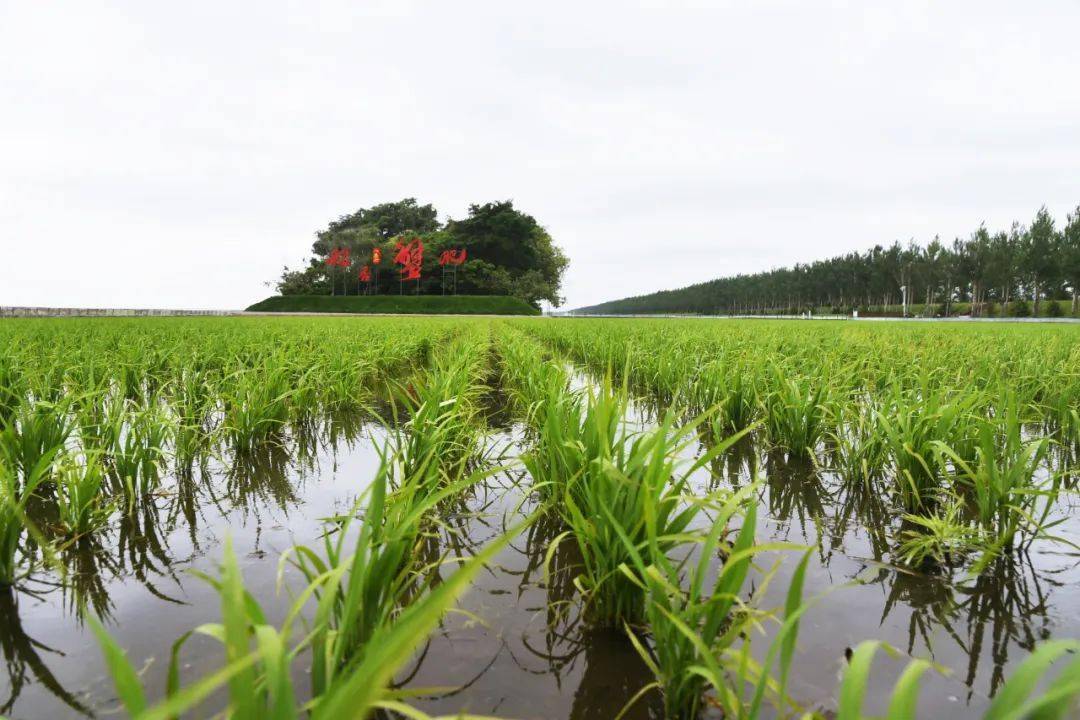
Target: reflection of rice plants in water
(669, 498)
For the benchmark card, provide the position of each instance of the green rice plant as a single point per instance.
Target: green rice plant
(193, 402)
(914, 426)
(709, 645)
(903, 702)
(15, 526)
(139, 453)
(736, 401)
(259, 658)
(531, 378)
(1028, 694)
(694, 626)
(80, 487)
(100, 417)
(257, 406)
(1002, 480)
(556, 457)
(11, 387)
(362, 583)
(796, 412)
(540, 392)
(36, 432)
(941, 537)
(857, 453)
(621, 487)
(442, 432)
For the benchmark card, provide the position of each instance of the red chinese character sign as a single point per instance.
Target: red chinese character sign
(339, 257)
(410, 256)
(365, 274)
(452, 258)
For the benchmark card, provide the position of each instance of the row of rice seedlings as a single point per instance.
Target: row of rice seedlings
(540, 393)
(624, 498)
(620, 483)
(860, 361)
(423, 467)
(440, 404)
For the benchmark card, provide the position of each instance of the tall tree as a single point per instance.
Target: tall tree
(1070, 255)
(1038, 253)
(390, 219)
(497, 235)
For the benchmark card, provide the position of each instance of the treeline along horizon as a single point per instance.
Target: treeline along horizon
(1019, 271)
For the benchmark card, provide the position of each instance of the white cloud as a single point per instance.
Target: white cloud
(176, 155)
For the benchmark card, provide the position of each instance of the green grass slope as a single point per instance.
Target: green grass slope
(404, 304)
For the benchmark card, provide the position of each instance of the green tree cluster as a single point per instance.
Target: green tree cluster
(1011, 272)
(509, 253)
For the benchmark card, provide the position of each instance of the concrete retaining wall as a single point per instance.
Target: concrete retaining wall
(13, 311)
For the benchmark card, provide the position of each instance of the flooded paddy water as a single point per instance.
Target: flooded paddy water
(518, 645)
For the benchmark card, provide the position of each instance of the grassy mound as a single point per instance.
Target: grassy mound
(406, 304)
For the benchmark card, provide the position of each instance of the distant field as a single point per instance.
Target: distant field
(408, 304)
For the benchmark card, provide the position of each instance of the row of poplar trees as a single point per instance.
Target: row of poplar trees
(1014, 271)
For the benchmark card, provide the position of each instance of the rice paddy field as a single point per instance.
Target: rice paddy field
(411, 517)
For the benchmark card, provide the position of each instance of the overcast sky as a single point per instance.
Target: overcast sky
(178, 154)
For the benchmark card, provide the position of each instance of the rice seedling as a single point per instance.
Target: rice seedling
(1028, 693)
(363, 583)
(1002, 482)
(100, 417)
(797, 412)
(256, 406)
(620, 487)
(36, 432)
(11, 388)
(17, 554)
(857, 452)
(442, 431)
(697, 626)
(914, 427)
(942, 537)
(139, 453)
(193, 402)
(731, 390)
(80, 485)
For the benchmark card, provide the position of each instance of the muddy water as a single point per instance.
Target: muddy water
(519, 650)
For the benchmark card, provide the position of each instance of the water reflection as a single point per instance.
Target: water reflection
(24, 658)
